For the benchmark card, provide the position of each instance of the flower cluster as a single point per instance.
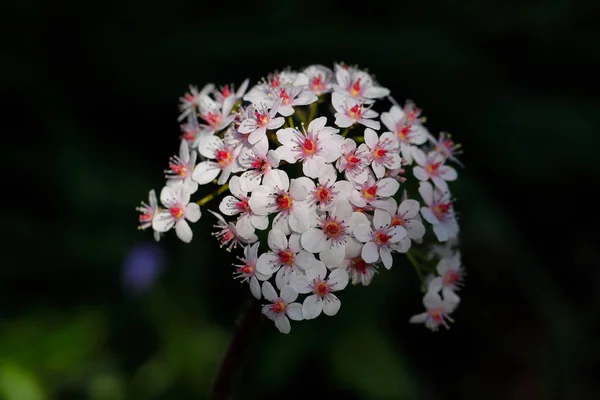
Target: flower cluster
(314, 175)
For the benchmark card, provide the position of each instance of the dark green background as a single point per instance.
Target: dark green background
(91, 91)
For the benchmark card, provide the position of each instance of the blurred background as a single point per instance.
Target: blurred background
(94, 309)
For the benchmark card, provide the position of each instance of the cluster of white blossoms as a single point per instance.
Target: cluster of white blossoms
(314, 176)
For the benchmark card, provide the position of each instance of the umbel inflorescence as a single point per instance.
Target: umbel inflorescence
(332, 187)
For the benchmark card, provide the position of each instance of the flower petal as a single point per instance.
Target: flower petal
(338, 279)
(331, 305)
(370, 252)
(313, 240)
(283, 324)
(268, 291)
(183, 230)
(294, 311)
(205, 172)
(312, 306)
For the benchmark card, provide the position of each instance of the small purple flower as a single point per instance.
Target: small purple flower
(141, 266)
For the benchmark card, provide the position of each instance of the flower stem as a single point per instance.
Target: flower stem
(345, 131)
(313, 111)
(230, 366)
(290, 121)
(214, 194)
(415, 264)
(301, 115)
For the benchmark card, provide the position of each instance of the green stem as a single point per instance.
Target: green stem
(301, 115)
(345, 131)
(290, 122)
(415, 264)
(313, 111)
(214, 194)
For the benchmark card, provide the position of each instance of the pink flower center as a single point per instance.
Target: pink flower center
(323, 194)
(179, 169)
(352, 159)
(278, 307)
(309, 146)
(146, 217)
(397, 220)
(321, 288)
(317, 84)
(355, 88)
(261, 119)
(451, 277)
(355, 112)
(176, 212)
(284, 202)
(224, 157)
(370, 192)
(358, 264)
(247, 269)
(332, 228)
(285, 96)
(379, 153)
(437, 316)
(275, 82)
(243, 206)
(260, 165)
(213, 119)
(402, 132)
(442, 208)
(382, 238)
(286, 257)
(226, 92)
(433, 167)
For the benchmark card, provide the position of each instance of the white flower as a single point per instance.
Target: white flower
(354, 162)
(447, 147)
(359, 270)
(191, 100)
(284, 258)
(148, 211)
(217, 116)
(281, 307)
(384, 151)
(319, 79)
(407, 216)
(263, 91)
(378, 242)
(292, 96)
(247, 272)
(226, 161)
(376, 193)
(438, 311)
(357, 84)
(260, 118)
(258, 161)
(276, 194)
(227, 233)
(439, 212)
(321, 289)
(177, 209)
(350, 112)
(450, 276)
(228, 91)
(191, 131)
(180, 169)
(316, 147)
(237, 203)
(407, 126)
(328, 194)
(331, 237)
(432, 167)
